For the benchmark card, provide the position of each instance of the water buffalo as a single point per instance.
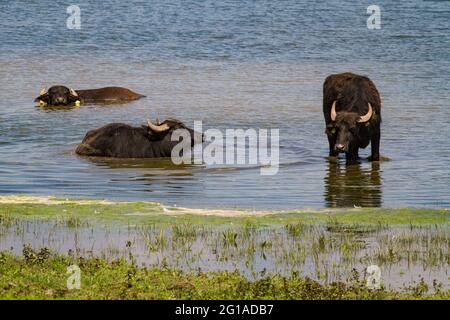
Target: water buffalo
(64, 96)
(352, 111)
(120, 140)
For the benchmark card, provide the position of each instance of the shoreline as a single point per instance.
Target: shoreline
(320, 248)
(140, 211)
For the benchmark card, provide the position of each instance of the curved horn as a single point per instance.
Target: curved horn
(367, 116)
(333, 111)
(43, 91)
(157, 128)
(73, 92)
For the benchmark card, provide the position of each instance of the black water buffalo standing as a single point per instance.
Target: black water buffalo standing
(64, 96)
(352, 111)
(120, 140)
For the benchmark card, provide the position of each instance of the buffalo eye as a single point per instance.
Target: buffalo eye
(331, 129)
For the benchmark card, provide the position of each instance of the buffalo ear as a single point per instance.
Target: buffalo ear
(73, 98)
(43, 97)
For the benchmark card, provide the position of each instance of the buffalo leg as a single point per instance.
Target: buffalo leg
(332, 142)
(352, 156)
(375, 146)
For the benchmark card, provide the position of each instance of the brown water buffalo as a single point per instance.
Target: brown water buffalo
(64, 96)
(352, 111)
(120, 140)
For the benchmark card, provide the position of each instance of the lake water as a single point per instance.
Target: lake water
(231, 64)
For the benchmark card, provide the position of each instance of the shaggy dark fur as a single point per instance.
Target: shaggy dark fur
(124, 141)
(61, 96)
(352, 93)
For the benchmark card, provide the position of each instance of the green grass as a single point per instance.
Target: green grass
(42, 275)
(154, 213)
(291, 240)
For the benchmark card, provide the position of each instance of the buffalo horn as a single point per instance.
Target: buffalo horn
(157, 128)
(367, 116)
(333, 111)
(73, 92)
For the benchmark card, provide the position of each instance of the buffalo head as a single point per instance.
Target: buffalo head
(58, 96)
(163, 131)
(346, 127)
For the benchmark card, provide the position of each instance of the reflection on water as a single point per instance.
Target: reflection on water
(355, 185)
(152, 175)
(154, 166)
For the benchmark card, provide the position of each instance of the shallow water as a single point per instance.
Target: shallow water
(246, 64)
(405, 254)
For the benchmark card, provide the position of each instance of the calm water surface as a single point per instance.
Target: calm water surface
(233, 64)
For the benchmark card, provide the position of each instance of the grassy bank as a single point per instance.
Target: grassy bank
(147, 250)
(41, 275)
(155, 213)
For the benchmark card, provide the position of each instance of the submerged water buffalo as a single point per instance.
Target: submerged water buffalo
(352, 111)
(120, 140)
(64, 96)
